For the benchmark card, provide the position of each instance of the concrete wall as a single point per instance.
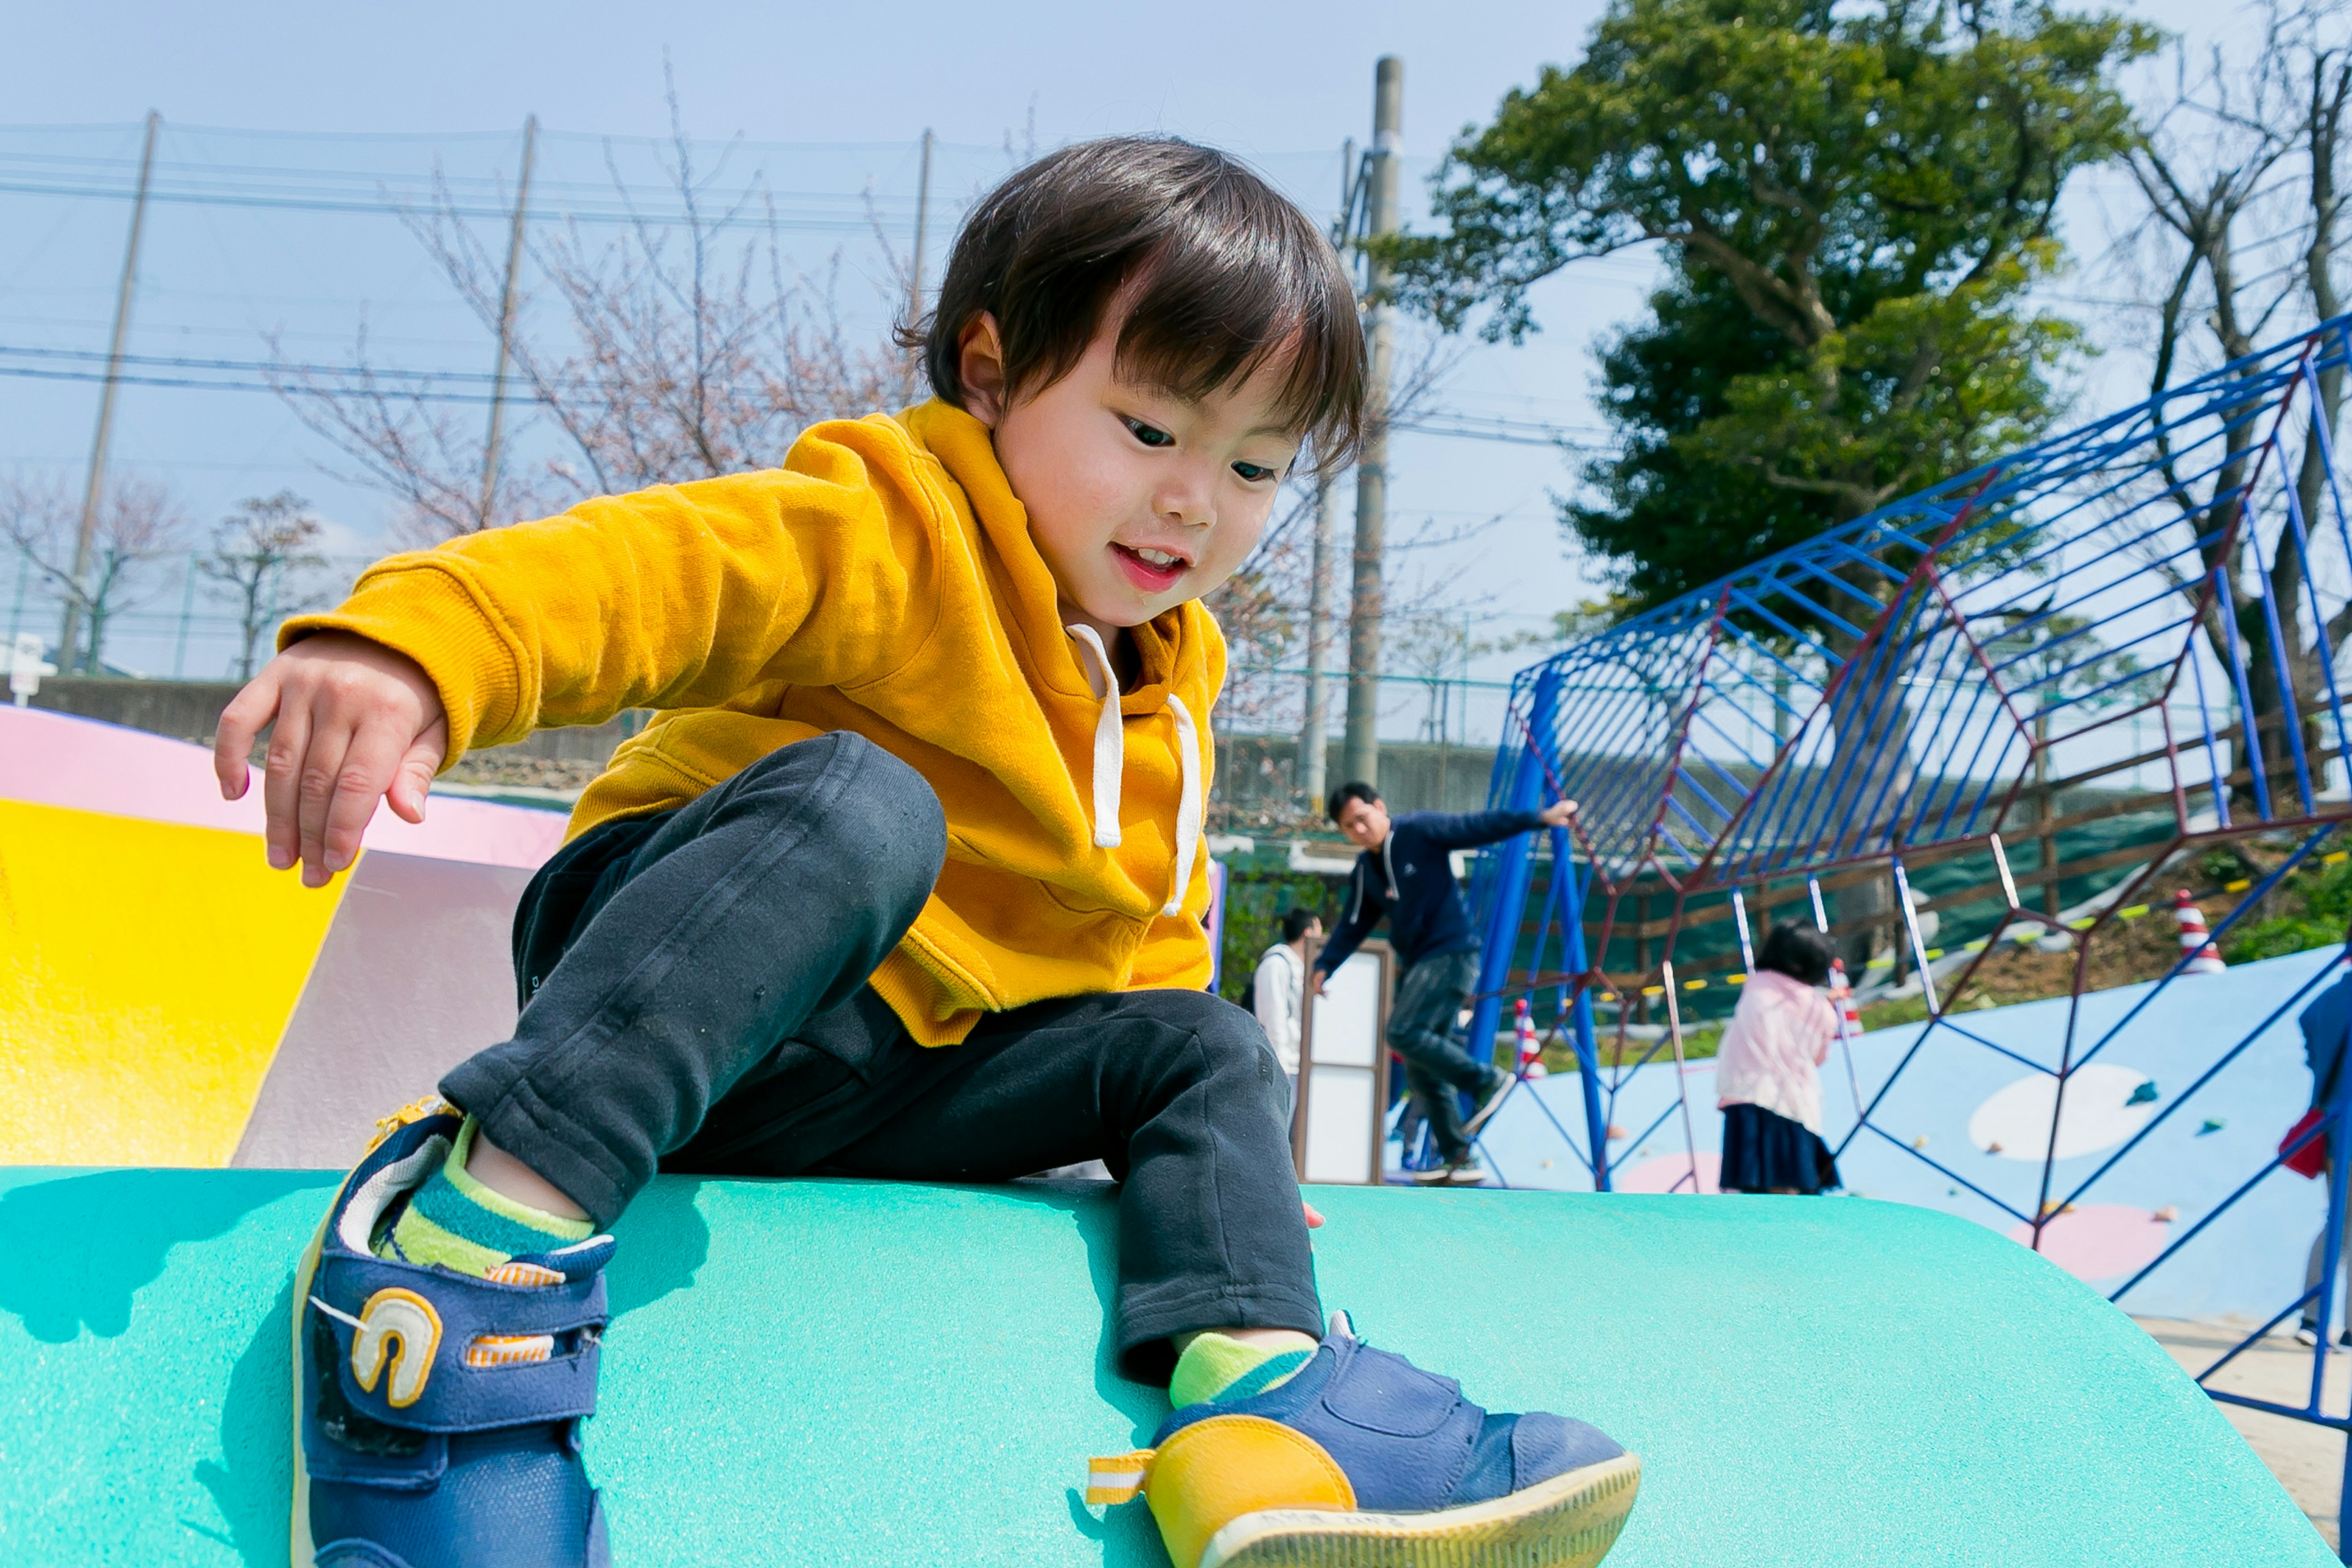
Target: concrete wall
(1256, 773)
(190, 711)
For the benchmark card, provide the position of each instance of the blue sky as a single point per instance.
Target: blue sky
(1279, 84)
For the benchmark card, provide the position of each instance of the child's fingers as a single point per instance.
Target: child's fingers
(415, 780)
(370, 767)
(315, 789)
(240, 721)
(1313, 1216)
(281, 776)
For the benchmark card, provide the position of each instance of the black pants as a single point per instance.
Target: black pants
(695, 999)
(1430, 995)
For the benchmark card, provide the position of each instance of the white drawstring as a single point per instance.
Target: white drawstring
(1188, 802)
(1110, 738)
(1110, 765)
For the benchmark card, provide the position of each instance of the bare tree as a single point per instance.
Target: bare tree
(138, 522)
(262, 555)
(2243, 221)
(690, 350)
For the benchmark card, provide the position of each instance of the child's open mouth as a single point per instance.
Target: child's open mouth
(1153, 571)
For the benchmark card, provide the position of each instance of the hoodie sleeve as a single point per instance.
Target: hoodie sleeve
(1471, 830)
(824, 571)
(1365, 904)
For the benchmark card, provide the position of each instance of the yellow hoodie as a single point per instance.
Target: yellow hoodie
(883, 581)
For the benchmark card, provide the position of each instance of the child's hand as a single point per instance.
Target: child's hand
(355, 723)
(1314, 1215)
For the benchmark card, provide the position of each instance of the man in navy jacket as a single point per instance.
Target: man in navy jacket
(1404, 873)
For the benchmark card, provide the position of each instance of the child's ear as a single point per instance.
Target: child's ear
(980, 366)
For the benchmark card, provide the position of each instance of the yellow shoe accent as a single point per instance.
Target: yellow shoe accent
(1215, 1471)
(414, 1111)
(1569, 1522)
(399, 1328)
(509, 1349)
(514, 1273)
(1118, 1479)
(1241, 1491)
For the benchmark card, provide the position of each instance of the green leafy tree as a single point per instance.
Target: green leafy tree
(1855, 201)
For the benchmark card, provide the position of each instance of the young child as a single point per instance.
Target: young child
(905, 881)
(1768, 1076)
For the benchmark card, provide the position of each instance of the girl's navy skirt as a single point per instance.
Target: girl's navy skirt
(1765, 1151)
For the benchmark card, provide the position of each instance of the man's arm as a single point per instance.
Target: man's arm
(1473, 829)
(1365, 906)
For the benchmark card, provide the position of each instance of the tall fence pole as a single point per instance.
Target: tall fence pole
(85, 536)
(1363, 746)
(1313, 741)
(915, 264)
(491, 448)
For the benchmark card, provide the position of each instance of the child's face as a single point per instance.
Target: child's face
(1137, 499)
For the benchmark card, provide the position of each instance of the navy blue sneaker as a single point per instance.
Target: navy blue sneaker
(436, 1416)
(1363, 1461)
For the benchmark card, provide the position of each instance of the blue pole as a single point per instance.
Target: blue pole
(1588, 1058)
(1509, 882)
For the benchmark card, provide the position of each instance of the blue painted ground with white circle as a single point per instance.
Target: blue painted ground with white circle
(2208, 1075)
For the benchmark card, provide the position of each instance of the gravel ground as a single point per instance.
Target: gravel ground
(2307, 1459)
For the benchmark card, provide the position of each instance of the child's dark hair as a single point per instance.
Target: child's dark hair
(1295, 920)
(1226, 275)
(1799, 952)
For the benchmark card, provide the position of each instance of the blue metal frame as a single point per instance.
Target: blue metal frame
(1901, 691)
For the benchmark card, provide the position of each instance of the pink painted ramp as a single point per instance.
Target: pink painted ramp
(55, 759)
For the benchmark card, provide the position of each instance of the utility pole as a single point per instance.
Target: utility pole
(1363, 746)
(69, 634)
(1312, 741)
(491, 448)
(915, 271)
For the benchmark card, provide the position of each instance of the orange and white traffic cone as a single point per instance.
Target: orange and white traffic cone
(1530, 1047)
(2195, 939)
(1842, 998)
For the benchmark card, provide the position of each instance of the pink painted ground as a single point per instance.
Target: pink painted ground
(54, 759)
(1661, 1175)
(2099, 1241)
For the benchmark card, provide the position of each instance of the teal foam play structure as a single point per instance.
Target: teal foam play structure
(846, 1373)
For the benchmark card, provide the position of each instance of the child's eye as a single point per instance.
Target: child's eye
(1149, 435)
(1253, 472)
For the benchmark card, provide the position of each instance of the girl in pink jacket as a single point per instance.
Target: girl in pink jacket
(1768, 1072)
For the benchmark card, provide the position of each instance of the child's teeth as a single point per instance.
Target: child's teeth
(1158, 557)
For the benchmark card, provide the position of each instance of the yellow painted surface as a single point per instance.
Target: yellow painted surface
(147, 971)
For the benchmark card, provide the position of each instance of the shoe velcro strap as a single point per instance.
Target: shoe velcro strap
(403, 1337)
(1117, 1479)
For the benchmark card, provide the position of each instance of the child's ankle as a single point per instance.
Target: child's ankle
(509, 1177)
(458, 1222)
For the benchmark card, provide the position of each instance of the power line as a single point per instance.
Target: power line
(474, 387)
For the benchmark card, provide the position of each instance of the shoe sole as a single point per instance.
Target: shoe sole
(1486, 1113)
(302, 1551)
(1569, 1522)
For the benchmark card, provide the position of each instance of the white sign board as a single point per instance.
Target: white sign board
(25, 667)
(1343, 1072)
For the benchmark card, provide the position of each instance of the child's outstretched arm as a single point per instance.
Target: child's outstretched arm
(356, 723)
